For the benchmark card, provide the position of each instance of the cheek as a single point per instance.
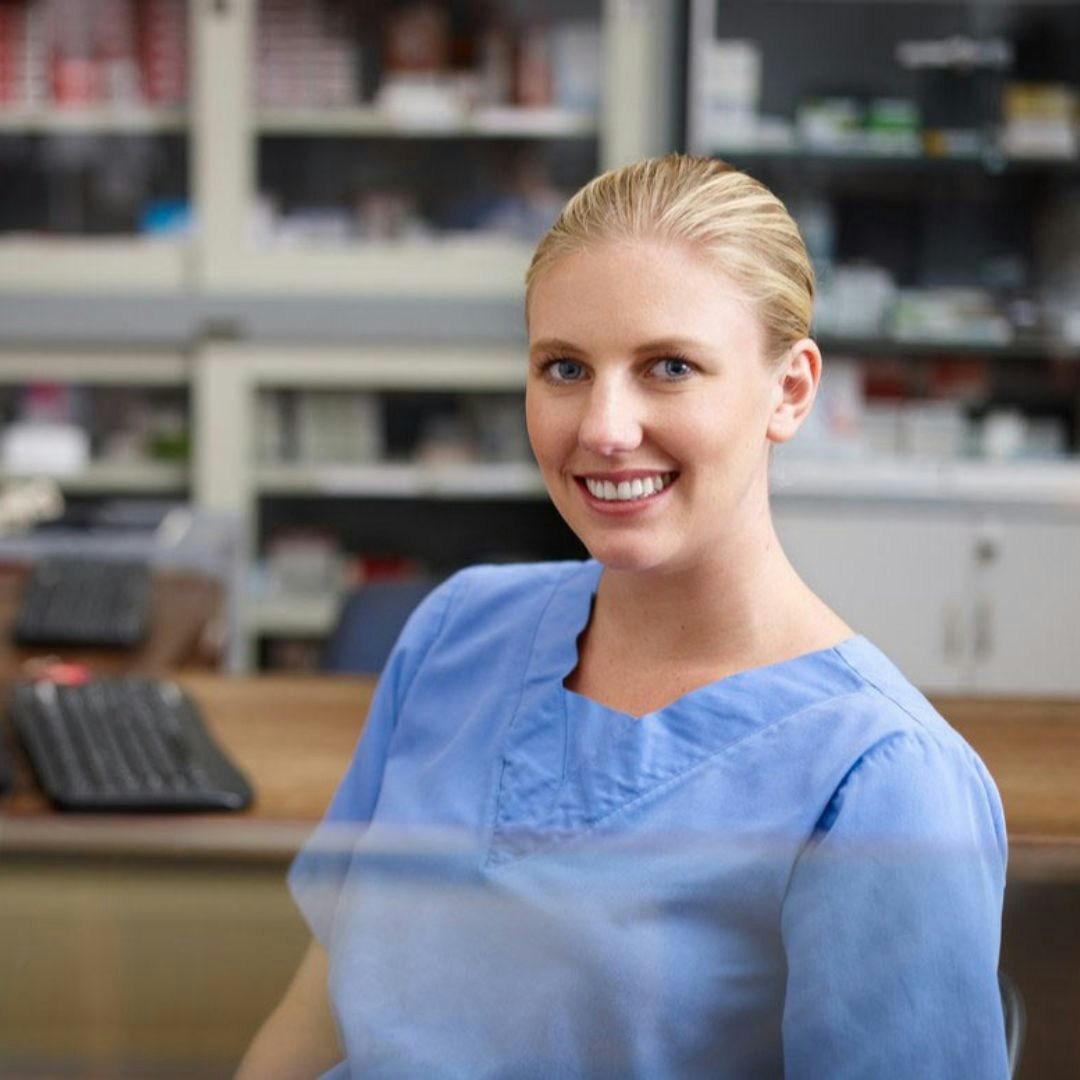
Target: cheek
(549, 426)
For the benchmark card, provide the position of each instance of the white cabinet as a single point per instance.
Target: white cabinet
(1026, 615)
(963, 599)
(899, 575)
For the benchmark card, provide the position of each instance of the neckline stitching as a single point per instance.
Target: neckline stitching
(670, 781)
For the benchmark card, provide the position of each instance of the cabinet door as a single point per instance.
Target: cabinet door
(900, 575)
(1027, 607)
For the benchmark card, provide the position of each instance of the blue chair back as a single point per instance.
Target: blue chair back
(368, 625)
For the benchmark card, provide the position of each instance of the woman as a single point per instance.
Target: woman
(661, 813)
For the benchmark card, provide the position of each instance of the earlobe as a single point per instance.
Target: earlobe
(796, 387)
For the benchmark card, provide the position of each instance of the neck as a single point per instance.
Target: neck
(741, 599)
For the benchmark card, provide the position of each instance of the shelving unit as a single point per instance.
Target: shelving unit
(220, 269)
(635, 119)
(939, 200)
(146, 368)
(66, 109)
(220, 273)
(939, 556)
(228, 381)
(222, 129)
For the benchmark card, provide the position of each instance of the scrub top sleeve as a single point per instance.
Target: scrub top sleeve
(892, 921)
(317, 873)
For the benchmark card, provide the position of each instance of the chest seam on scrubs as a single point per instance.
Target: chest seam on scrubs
(497, 787)
(884, 693)
(659, 789)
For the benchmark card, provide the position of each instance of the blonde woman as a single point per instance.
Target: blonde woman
(661, 813)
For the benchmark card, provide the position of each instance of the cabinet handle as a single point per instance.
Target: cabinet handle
(987, 550)
(984, 628)
(953, 643)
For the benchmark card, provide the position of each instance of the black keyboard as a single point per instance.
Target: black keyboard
(85, 602)
(124, 743)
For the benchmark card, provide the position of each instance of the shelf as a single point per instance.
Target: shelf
(302, 615)
(1022, 347)
(129, 265)
(512, 480)
(488, 267)
(451, 366)
(988, 160)
(126, 478)
(493, 123)
(1049, 482)
(116, 120)
(115, 368)
(1052, 484)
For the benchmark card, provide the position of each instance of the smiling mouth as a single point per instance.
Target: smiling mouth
(639, 488)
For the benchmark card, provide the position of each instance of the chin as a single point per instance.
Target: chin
(624, 557)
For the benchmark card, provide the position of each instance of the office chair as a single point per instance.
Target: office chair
(1012, 1002)
(369, 622)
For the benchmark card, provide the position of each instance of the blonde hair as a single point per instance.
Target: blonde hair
(706, 205)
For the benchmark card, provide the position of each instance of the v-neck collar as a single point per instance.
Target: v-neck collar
(569, 762)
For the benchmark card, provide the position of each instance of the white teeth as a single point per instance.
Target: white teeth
(627, 490)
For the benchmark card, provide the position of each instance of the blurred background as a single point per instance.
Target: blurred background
(261, 267)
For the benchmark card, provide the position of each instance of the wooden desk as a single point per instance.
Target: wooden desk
(294, 736)
(186, 628)
(153, 945)
(1032, 749)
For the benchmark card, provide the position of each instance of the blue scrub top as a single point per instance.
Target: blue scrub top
(794, 871)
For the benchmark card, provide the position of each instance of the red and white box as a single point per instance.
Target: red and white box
(162, 45)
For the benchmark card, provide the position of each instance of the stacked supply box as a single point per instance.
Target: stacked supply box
(85, 53)
(163, 48)
(306, 55)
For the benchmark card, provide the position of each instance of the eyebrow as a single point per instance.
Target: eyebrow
(680, 344)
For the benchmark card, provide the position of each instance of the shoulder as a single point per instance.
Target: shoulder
(492, 607)
(523, 589)
(491, 581)
(907, 770)
(904, 716)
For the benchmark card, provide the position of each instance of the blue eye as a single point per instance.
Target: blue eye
(564, 370)
(674, 368)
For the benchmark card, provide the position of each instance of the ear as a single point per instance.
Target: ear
(794, 390)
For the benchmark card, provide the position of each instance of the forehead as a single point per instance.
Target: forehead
(636, 290)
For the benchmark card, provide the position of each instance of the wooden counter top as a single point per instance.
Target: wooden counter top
(1032, 749)
(186, 627)
(294, 735)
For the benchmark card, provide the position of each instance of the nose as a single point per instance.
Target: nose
(612, 422)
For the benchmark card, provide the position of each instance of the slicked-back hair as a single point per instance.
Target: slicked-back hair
(705, 206)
